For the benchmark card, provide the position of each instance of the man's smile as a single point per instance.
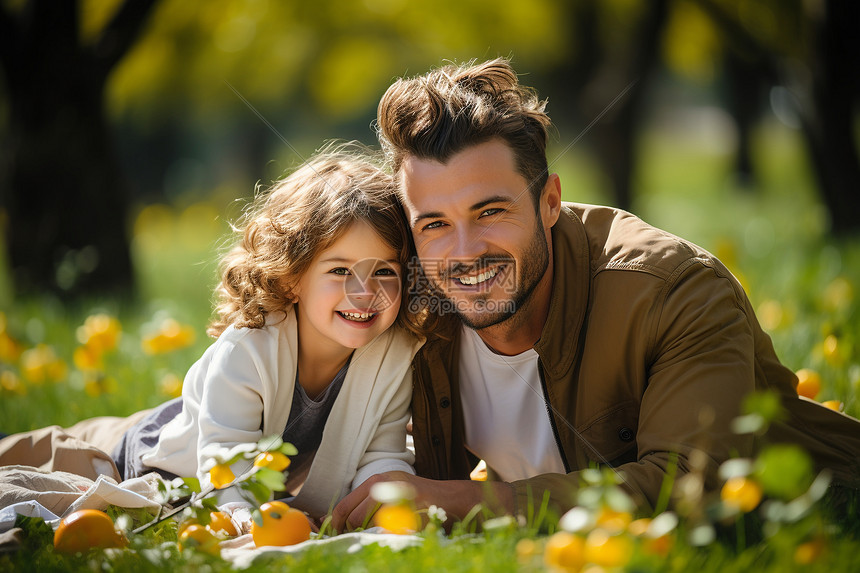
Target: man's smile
(479, 278)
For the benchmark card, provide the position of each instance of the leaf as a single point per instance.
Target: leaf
(192, 483)
(36, 532)
(260, 492)
(288, 449)
(274, 480)
(766, 404)
(270, 443)
(618, 500)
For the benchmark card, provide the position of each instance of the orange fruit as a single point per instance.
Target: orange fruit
(86, 529)
(564, 551)
(196, 536)
(638, 527)
(808, 383)
(809, 551)
(221, 475)
(184, 524)
(281, 525)
(833, 405)
(741, 493)
(397, 518)
(272, 460)
(658, 545)
(612, 520)
(220, 521)
(607, 550)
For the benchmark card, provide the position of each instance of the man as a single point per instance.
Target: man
(581, 336)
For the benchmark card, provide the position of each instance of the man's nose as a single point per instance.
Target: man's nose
(468, 243)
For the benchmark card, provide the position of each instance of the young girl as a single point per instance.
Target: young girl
(305, 345)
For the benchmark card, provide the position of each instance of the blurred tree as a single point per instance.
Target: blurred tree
(809, 51)
(605, 78)
(64, 194)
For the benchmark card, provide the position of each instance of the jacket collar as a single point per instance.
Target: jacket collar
(560, 337)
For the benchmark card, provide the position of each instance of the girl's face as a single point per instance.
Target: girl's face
(351, 291)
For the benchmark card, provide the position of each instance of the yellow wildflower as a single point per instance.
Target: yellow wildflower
(41, 364)
(98, 384)
(100, 332)
(170, 335)
(171, 385)
(10, 382)
(87, 358)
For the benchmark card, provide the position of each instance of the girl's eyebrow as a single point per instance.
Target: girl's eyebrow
(343, 260)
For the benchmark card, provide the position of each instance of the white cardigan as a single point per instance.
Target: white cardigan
(241, 390)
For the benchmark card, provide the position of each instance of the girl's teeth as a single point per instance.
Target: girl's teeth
(359, 316)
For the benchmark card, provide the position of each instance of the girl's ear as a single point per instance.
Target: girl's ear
(291, 293)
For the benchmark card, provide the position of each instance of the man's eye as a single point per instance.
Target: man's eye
(433, 225)
(339, 271)
(491, 211)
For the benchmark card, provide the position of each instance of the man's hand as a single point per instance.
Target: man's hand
(456, 497)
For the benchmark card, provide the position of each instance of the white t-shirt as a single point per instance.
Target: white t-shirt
(507, 420)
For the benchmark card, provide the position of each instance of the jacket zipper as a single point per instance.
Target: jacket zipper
(551, 417)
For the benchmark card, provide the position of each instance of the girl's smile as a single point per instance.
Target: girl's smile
(350, 292)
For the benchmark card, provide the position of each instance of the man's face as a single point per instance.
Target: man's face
(480, 240)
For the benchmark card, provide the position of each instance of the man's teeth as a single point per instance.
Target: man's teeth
(484, 276)
(357, 316)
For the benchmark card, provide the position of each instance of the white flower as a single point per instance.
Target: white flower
(392, 491)
(576, 519)
(437, 514)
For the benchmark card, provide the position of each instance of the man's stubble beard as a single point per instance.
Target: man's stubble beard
(534, 264)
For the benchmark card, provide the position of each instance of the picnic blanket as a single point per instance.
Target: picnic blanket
(52, 472)
(52, 495)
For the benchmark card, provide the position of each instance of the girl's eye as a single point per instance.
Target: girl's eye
(385, 272)
(340, 271)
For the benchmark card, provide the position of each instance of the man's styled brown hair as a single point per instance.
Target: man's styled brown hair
(448, 109)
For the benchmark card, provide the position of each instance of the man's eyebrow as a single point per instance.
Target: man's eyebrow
(422, 216)
(476, 207)
(495, 199)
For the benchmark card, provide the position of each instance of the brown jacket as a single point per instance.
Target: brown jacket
(649, 348)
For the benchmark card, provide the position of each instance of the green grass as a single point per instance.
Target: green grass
(773, 236)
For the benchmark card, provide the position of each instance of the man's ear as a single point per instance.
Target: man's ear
(550, 201)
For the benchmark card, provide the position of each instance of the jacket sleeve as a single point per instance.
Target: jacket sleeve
(231, 408)
(701, 366)
(387, 448)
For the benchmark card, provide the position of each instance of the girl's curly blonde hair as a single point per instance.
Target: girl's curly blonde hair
(286, 227)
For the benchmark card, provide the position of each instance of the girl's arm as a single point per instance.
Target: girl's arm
(387, 448)
(231, 407)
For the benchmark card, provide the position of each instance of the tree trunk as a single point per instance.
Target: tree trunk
(67, 204)
(830, 128)
(64, 193)
(615, 134)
